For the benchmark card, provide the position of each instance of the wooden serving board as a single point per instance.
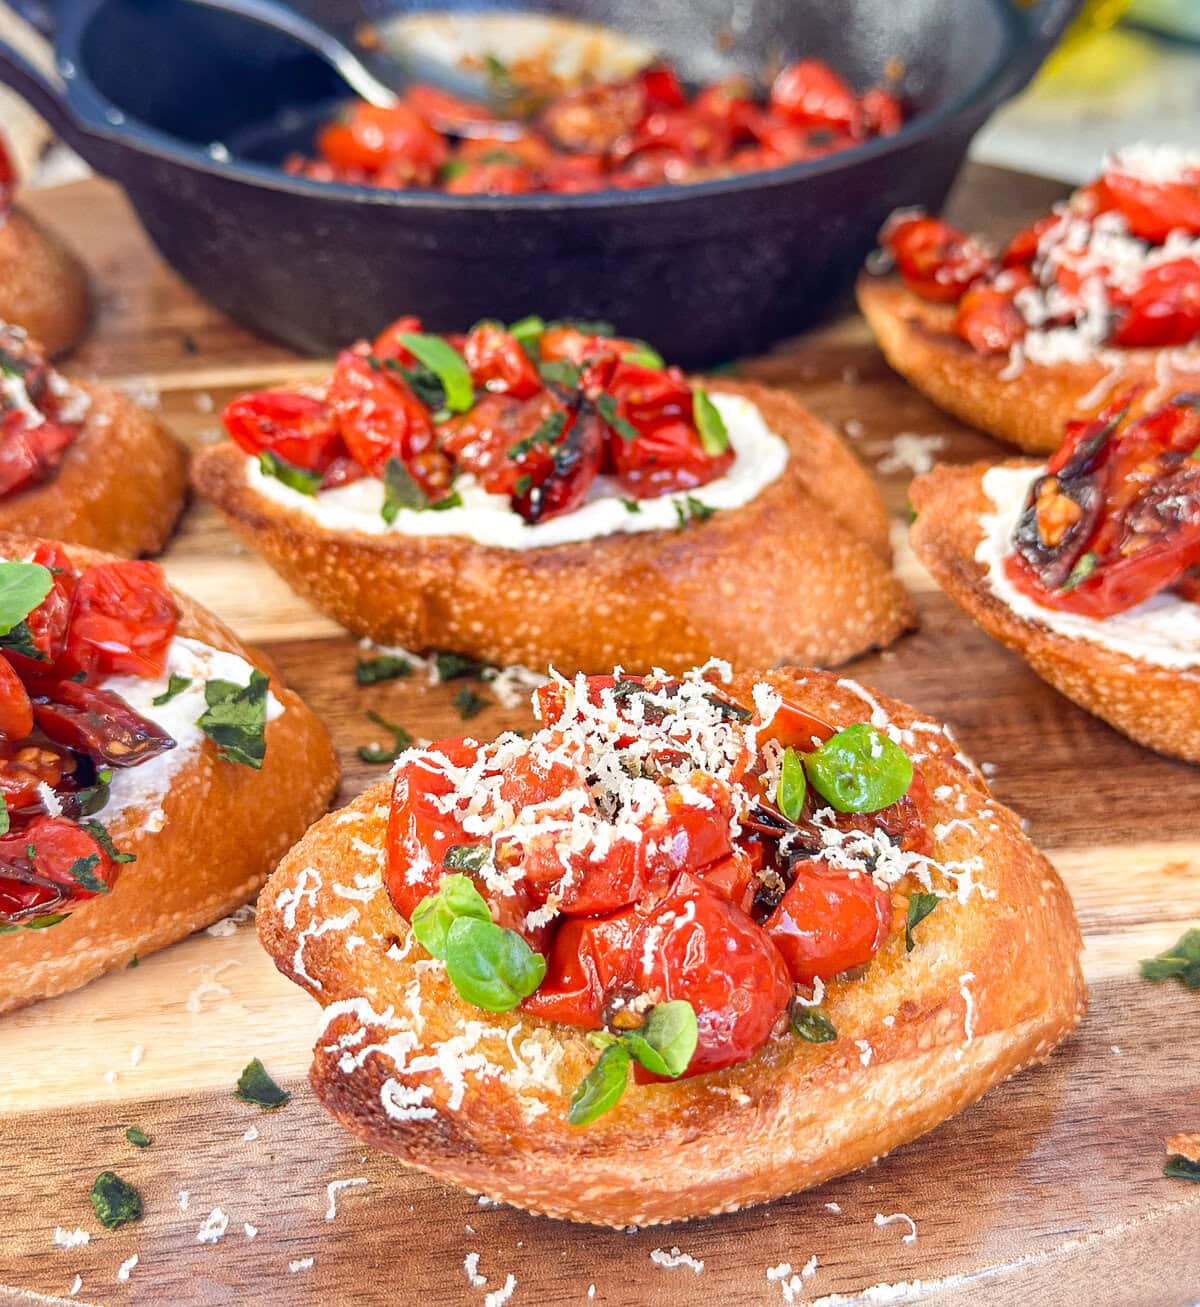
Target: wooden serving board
(1052, 1184)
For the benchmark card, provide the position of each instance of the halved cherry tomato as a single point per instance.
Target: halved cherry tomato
(98, 723)
(122, 622)
(829, 921)
(561, 486)
(1022, 249)
(936, 261)
(494, 441)
(666, 458)
(388, 344)
(882, 113)
(299, 429)
(591, 960)
(1163, 306)
(1153, 210)
(988, 320)
(29, 455)
(730, 103)
(50, 863)
(47, 624)
(397, 138)
(592, 119)
(809, 91)
(498, 363)
(16, 712)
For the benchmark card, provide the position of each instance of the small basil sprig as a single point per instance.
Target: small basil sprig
(175, 685)
(490, 967)
(859, 770)
(1182, 962)
(792, 787)
(690, 509)
(236, 719)
(22, 587)
(920, 905)
(810, 1023)
(664, 1044)
(644, 356)
(714, 435)
(296, 478)
(385, 667)
(1178, 1167)
(401, 740)
(447, 363)
(115, 1201)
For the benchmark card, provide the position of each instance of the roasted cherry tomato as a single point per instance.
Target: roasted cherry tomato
(499, 173)
(1153, 210)
(50, 863)
(829, 921)
(988, 320)
(30, 454)
(24, 765)
(809, 91)
(1163, 307)
(388, 344)
(47, 624)
(936, 261)
(561, 486)
(498, 363)
(882, 112)
(397, 138)
(592, 119)
(98, 723)
(591, 960)
(122, 622)
(503, 439)
(299, 429)
(16, 712)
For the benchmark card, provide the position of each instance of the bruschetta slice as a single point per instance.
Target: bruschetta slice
(1088, 566)
(43, 287)
(81, 462)
(152, 768)
(688, 946)
(1100, 296)
(545, 494)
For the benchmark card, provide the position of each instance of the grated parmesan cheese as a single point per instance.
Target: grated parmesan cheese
(676, 1260)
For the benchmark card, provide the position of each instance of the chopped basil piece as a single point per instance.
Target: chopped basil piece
(522, 485)
(527, 331)
(810, 1023)
(400, 490)
(100, 834)
(1081, 571)
(920, 905)
(451, 368)
(20, 641)
(601, 1089)
(138, 1137)
(792, 785)
(691, 509)
(451, 169)
(82, 872)
(456, 897)
(545, 433)
(401, 740)
(453, 666)
(606, 406)
(644, 356)
(38, 923)
(859, 770)
(422, 381)
(175, 685)
(452, 500)
(115, 1201)
(387, 667)
(489, 966)
(4, 820)
(560, 372)
(666, 1040)
(1182, 962)
(714, 435)
(1178, 1167)
(467, 857)
(256, 1087)
(236, 719)
(23, 586)
(295, 478)
(631, 505)
(469, 704)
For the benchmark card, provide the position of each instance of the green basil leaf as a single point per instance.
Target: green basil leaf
(20, 641)
(691, 509)
(423, 383)
(714, 435)
(545, 433)
(453, 666)
(1182, 962)
(451, 368)
(1179, 1167)
(175, 686)
(236, 719)
(631, 505)
(115, 1201)
(138, 1137)
(644, 356)
(295, 478)
(1085, 566)
(387, 667)
(401, 740)
(4, 819)
(451, 169)
(467, 857)
(400, 490)
(810, 1023)
(606, 406)
(560, 372)
(920, 905)
(527, 331)
(256, 1087)
(82, 872)
(23, 586)
(455, 897)
(469, 704)
(859, 770)
(792, 785)
(666, 1040)
(491, 967)
(100, 834)
(601, 1089)
(44, 923)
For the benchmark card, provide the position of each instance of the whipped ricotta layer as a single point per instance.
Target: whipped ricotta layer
(143, 787)
(1165, 630)
(761, 456)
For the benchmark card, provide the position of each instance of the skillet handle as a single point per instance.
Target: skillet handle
(1043, 21)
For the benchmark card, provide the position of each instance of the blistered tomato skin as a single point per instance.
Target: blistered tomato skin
(828, 922)
(122, 622)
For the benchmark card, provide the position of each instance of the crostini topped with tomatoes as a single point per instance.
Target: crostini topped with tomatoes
(644, 130)
(766, 925)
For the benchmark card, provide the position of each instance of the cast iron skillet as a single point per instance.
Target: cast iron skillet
(707, 272)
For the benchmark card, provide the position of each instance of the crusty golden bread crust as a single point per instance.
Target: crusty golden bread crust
(479, 1099)
(43, 287)
(798, 575)
(226, 826)
(1029, 409)
(120, 488)
(1157, 706)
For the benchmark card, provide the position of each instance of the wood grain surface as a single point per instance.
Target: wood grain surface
(1051, 1186)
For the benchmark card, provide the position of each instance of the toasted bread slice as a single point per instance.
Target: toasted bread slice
(992, 985)
(225, 827)
(799, 574)
(1028, 408)
(120, 488)
(43, 286)
(1154, 705)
